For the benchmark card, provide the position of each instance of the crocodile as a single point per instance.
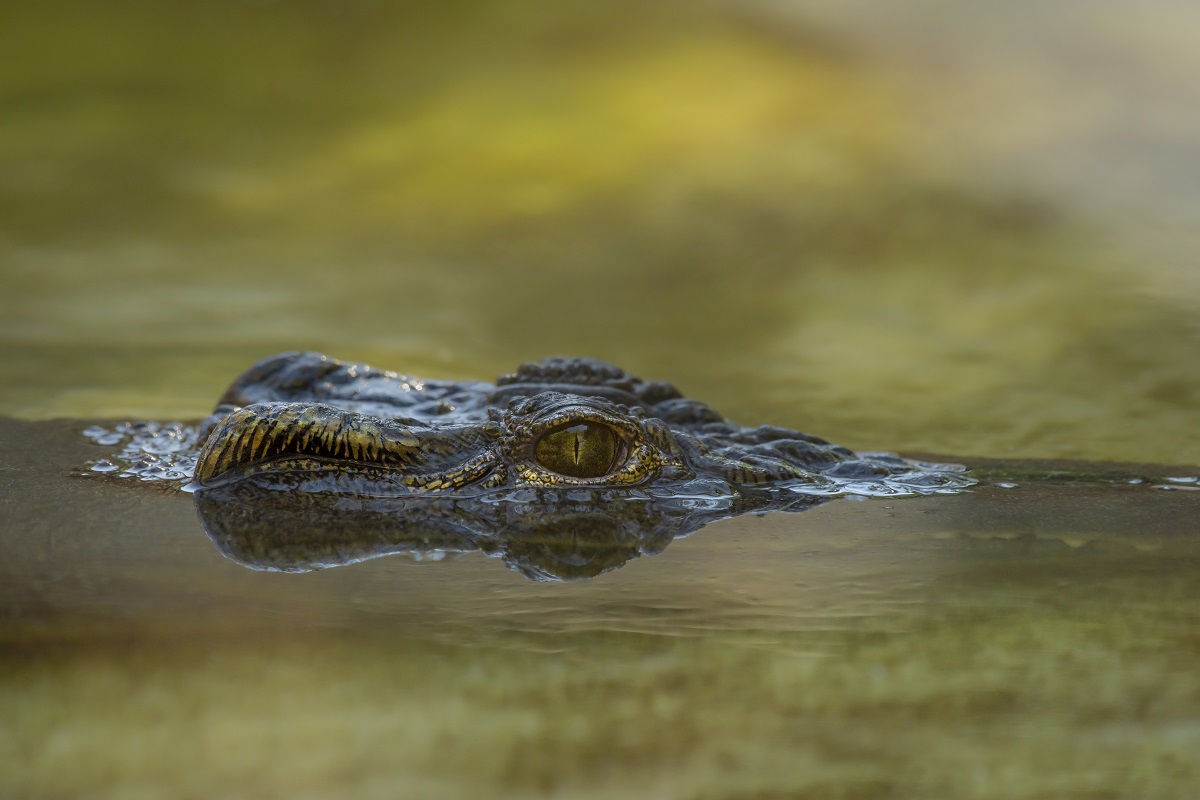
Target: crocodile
(309, 422)
(564, 469)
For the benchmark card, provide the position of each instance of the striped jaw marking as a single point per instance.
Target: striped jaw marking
(288, 443)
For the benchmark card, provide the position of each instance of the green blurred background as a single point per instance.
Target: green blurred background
(922, 226)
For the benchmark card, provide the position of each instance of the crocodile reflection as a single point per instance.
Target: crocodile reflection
(544, 539)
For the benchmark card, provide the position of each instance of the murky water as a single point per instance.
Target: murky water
(1007, 642)
(920, 227)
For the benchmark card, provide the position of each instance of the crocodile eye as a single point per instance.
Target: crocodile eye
(582, 450)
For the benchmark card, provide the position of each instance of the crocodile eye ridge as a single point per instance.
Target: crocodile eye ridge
(580, 449)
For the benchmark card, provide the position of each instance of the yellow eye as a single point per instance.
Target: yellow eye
(583, 450)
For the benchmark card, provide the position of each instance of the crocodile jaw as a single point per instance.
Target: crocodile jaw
(287, 445)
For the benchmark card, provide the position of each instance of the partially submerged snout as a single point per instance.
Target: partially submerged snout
(284, 440)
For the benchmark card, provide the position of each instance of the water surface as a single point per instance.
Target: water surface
(1002, 643)
(920, 226)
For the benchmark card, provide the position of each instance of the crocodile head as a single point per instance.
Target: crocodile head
(308, 422)
(548, 440)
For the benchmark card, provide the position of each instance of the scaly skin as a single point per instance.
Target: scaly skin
(307, 421)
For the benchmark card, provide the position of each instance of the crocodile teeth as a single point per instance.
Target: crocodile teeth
(265, 432)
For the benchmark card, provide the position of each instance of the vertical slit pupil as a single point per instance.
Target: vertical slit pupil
(580, 450)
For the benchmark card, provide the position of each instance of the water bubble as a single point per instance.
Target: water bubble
(149, 451)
